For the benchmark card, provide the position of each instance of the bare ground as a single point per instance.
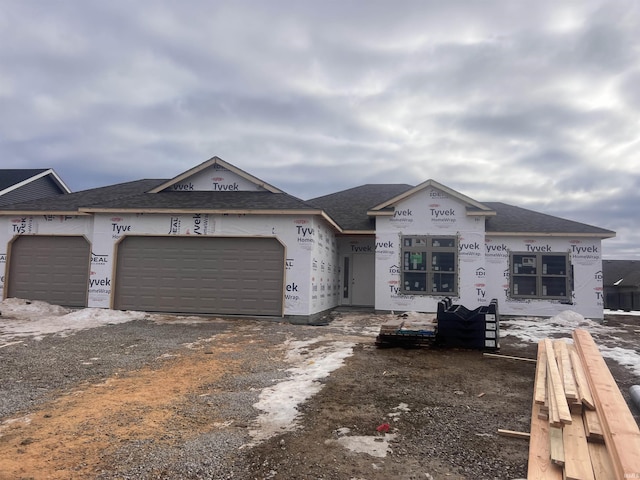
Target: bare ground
(169, 400)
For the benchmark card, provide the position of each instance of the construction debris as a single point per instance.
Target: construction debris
(581, 426)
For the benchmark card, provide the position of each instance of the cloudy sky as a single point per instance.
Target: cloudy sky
(535, 104)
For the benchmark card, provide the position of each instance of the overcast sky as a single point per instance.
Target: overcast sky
(536, 104)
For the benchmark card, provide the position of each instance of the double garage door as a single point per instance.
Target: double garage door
(156, 274)
(200, 275)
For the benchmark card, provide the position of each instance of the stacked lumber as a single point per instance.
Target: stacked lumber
(407, 330)
(581, 426)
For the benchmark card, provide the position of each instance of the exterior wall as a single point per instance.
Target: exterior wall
(483, 264)
(216, 179)
(585, 257)
(429, 212)
(324, 268)
(305, 239)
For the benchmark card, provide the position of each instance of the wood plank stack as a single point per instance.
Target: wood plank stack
(581, 426)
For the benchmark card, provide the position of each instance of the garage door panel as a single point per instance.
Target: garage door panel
(200, 275)
(50, 268)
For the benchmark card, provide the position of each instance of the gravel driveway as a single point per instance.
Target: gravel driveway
(166, 397)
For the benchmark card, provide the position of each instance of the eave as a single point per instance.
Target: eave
(551, 234)
(43, 212)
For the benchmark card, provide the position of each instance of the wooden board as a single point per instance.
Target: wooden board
(514, 434)
(568, 381)
(556, 389)
(541, 375)
(539, 466)
(556, 445)
(554, 414)
(621, 433)
(592, 427)
(508, 357)
(584, 391)
(577, 465)
(600, 461)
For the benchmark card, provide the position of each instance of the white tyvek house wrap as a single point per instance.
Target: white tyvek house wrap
(324, 267)
(298, 234)
(584, 255)
(216, 179)
(429, 212)
(483, 262)
(41, 225)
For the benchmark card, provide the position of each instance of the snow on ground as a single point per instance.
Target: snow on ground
(533, 329)
(310, 364)
(35, 319)
(311, 360)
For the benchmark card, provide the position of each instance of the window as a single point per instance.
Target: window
(540, 275)
(429, 265)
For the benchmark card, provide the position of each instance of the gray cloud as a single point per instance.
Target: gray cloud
(533, 104)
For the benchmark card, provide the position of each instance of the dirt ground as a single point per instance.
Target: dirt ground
(437, 409)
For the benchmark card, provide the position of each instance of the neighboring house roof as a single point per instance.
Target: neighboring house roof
(349, 207)
(22, 184)
(621, 273)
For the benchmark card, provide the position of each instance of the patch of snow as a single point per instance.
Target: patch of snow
(279, 403)
(533, 329)
(374, 446)
(629, 359)
(621, 312)
(23, 318)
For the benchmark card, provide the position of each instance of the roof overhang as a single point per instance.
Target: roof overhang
(25, 213)
(551, 234)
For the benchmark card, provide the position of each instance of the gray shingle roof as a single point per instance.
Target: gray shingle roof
(349, 207)
(132, 195)
(510, 219)
(86, 198)
(625, 272)
(11, 176)
(205, 200)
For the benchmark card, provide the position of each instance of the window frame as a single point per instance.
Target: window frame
(535, 269)
(425, 272)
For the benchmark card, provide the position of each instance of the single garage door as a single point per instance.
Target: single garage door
(200, 275)
(53, 269)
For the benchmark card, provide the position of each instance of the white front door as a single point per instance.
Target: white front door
(359, 280)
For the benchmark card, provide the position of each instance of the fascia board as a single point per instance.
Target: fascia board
(549, 234)
(43, 212)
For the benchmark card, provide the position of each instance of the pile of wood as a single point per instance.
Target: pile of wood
(407, 330)
(581, 426)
